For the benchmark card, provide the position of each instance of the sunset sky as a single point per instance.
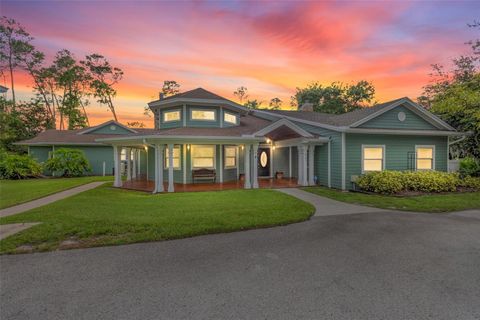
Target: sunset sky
(269, 47)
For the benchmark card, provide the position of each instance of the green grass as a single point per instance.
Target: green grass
(108, 216)
(424, 203)
(13, 192)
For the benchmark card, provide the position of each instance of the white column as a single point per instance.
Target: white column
(290, 162)
(311, 165)
(128, 157)
(134, 164)
(255, 166)
(305, 166)
(117, 152)
(299, 165)
(159, 168)
(221, 163)
(247, 166)
(170, 168)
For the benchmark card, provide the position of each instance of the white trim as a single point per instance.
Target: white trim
(374, 146)
(204, 110)
(221, 117)
(179, 111)
(401, 132)
(427, 146)
(236, 157)
(232, 114)
(175, 146)
(158, 149)
(295, 141)
(184, 161)
(215, 102)
(214, 155)
(171, 187)
(106, 124)
(250, 139)
(246, 166)
(343, 161)
(283, 122)
(237, 162)
(311, 165)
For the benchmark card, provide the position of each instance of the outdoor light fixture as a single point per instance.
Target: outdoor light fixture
(268, 140)
(273, 147)
(146, 148)
(188, 147)
(241, 146)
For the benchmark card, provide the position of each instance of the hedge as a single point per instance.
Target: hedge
(391, 182)
(14, 166)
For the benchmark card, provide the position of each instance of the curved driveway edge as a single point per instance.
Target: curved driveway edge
(48, 199)
(329, 207)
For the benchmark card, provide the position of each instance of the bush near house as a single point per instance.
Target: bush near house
(469, 167)
(70, 162)
(14, 166)
(395, 182)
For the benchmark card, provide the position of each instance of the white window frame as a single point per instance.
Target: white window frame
(205, 120)
(230, 114)
(171, 111)
(165, 158)
(204, 145)
(225, 157)
(373, 146)
(420, 146)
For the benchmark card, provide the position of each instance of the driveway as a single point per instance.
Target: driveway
(379, 265)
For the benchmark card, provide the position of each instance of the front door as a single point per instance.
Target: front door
(263, 162)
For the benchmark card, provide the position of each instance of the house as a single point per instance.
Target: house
(199, 135)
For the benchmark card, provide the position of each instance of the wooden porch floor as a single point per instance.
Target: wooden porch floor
(148, 185)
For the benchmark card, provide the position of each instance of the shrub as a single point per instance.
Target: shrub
(70, 162)
(14, 166)
(470, 182)
(390, 182)
(385, 182)
(469, 167)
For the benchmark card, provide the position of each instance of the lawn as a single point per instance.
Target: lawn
(14, 192)
(424, 203)
(108, 216)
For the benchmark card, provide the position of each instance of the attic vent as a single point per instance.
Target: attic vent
(307, 106)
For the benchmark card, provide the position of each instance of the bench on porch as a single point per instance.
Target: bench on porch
(204, 174)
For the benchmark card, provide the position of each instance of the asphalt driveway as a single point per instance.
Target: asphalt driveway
(382, 265)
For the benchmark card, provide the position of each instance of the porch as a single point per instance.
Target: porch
(268, 183)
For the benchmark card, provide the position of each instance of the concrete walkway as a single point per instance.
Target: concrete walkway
(7, 230)
(48, 199)
(329, 207)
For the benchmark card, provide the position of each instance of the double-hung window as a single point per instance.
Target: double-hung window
(203, 115)
(203, 156)
(373, 158)
(176, 158)
(425, 159)
(230, 157)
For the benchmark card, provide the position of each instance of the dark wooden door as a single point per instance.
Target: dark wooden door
(263, 162)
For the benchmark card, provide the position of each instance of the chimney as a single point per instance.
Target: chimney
(160, 96)
(306, 106)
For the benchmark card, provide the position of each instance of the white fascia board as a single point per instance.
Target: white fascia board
(185, 139)
(296, 141)
(58, 144)
(406, 132)
(216, 102)
(312, 123)
(283, 122)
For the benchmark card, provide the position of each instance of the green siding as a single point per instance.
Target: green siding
(389, 120)
(281, 161)
(321, 164)
(396, 151)
(107, 129)
(95, 155)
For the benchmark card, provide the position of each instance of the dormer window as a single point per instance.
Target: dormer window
(229, 118)
(203, 115)
(170, 116)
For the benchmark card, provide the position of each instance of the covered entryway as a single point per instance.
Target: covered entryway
(264, 162)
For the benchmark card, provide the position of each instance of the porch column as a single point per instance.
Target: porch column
(221, 163)
(170, 168)
(134, 164)
(311, 165)
(305, 166)
(247, 166)
(158, 168)
(128, 156)
(302, 165)
(299, 165)
(117, 152)
(255, 166)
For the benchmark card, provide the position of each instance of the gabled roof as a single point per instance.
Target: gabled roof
(110, 122)
(357, 117)
(197, 96)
